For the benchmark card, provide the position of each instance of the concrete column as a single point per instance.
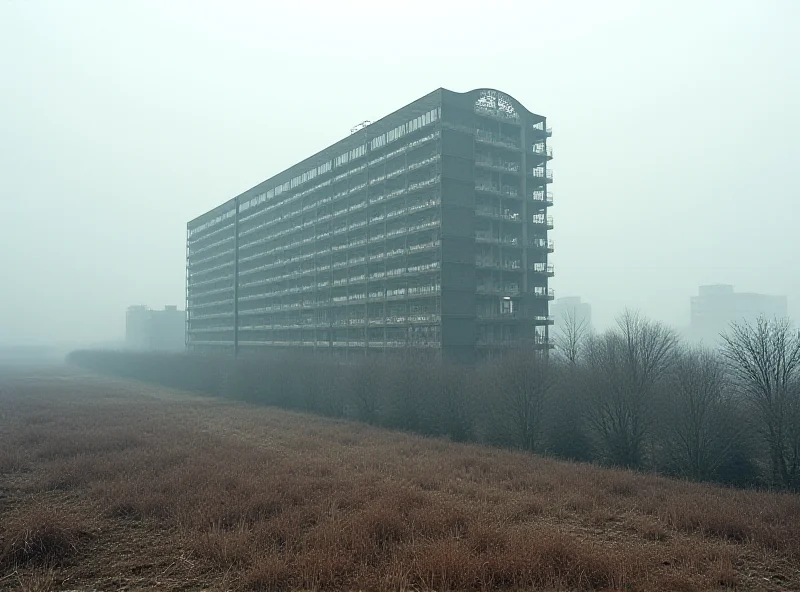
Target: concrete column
(525, 209)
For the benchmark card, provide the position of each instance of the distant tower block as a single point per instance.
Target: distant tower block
(155, 330)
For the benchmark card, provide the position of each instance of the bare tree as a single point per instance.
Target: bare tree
(526, 379)
(571, 333)
(624, 367)
(764, 358)
(454, 405)
(697, 426)
(567, 427)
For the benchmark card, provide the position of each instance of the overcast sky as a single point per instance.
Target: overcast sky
(676, 134)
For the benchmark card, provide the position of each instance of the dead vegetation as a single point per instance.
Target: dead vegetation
(113, 484)
(37, 534)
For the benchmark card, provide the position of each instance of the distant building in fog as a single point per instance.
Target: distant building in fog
(571, 306)
(155, 330)
(717, 306)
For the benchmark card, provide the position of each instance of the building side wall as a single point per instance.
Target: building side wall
(495, 202)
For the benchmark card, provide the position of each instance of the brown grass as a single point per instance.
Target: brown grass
(40, 534)
(115, 485)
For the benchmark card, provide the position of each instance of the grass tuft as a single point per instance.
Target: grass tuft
(41, 536)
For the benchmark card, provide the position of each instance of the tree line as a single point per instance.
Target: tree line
(633, 396)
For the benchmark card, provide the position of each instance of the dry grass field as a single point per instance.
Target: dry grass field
(112, 485)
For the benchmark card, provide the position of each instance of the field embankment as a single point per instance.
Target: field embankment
(108, 484)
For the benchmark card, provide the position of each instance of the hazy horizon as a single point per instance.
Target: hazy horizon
(674, 136)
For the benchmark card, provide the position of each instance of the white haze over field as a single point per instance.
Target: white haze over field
(676, 129)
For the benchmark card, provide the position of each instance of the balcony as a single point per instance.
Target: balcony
(494, 189)
(498, 316)
(542, 174)
(197, 236)
(212, 304)
(543, 197)
(196, 262)
(194, 250)
(498, 165)
(498, 214)
(422, 184)
(537, 340)
(539, 131)
(488, 238)
(542, 150)
(422, 268)
(495, 139)
(430, 203)
(491, 263)
(193, 275)
(196, 284)
(542, 320)
(509, 289)
(215, 315)
(543, 269)
(542, 243)
(543, 293)
(542, 220)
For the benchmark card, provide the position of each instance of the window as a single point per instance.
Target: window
(378, 142)
(342, 159)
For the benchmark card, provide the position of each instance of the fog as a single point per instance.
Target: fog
(675, 135)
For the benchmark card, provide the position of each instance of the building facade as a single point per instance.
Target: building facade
(155, 330)
(717, 306)
(428, 228)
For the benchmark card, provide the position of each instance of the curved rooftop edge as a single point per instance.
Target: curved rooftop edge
(476, 93)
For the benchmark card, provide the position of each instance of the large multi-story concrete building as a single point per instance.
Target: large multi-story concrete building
(717, 306)
(428, 228)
